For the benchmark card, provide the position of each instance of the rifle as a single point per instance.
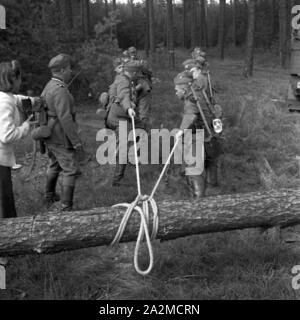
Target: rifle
(76, 75)
(202, 114)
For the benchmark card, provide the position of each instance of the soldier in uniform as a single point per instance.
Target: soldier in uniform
(123, 101)
(64, 146)
(196, 175)
(200, 84)
(144, 87)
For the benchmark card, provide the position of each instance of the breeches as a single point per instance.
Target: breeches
(63, 161)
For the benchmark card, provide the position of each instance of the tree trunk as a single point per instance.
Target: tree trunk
(114, 5)
(97, 227)
(282, 32)
(222, 28)
(185, 24)
(133, 24)
(86, 18)
(147, 40)
(66, 16)
(151, 31)
(234, 25)
(274, 20)
(193, 13)
(250, 39)
(106, 8)
(170, 37)
(203, 23)
(289, 5)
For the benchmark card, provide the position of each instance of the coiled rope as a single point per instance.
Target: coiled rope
(141, 205)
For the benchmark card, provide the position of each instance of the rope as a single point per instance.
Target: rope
(142, 205)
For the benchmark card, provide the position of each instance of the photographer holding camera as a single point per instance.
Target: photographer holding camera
(11, 130)
(64, 144)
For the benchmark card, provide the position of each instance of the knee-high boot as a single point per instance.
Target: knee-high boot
(197, 186)
(67, 198)
(50, 195)
(212, 174)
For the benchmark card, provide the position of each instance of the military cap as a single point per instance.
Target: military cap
(133, 66)
(132, 50)
(60, 61)
(190, 63)
(183, 78)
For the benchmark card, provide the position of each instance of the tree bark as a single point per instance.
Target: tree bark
(114, 5)
(97, 227)
(151, 31)
(234, 25)
(185, 23)
(66, 16)
(106, 8)
(203, 23)
(147, 45)
(170, 37)
(282, 32)
(86, 18)
(222, 28)
(193, 23)
(250, 39)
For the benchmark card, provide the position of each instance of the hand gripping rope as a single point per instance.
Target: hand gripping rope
(141, 206)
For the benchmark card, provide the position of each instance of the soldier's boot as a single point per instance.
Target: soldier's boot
(213, 187)
(212, 175)
(197, 186)
(50, 195)
(118, 174)
(67, 198)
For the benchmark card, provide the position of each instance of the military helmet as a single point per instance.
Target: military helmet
(183, 78)
(190, 63)
(201, 60)
(133, 66)
(132, 50)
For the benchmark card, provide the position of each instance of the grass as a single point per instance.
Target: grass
(231, 265)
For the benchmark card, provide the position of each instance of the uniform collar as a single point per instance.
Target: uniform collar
(59, 81)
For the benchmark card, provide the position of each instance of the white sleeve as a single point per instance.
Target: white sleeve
(9, 132)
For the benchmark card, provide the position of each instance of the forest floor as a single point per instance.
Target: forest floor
(246, 264)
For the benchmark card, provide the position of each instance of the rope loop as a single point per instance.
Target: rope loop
(143, 205)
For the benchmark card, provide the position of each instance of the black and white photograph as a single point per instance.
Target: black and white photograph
(149, 153)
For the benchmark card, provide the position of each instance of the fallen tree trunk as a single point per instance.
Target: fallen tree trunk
(55, 232)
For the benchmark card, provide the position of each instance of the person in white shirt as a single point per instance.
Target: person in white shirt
(11, 130)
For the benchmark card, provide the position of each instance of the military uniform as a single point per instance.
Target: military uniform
(196, 174)
(63, 140)
(121, 100)
(144, 83)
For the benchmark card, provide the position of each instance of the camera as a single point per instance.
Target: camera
(30, 109)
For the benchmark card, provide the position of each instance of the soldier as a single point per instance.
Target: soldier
(64, 146)
(144, 87)
(123, 101)
(211, 111)
(192, 119)
(105, 98)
